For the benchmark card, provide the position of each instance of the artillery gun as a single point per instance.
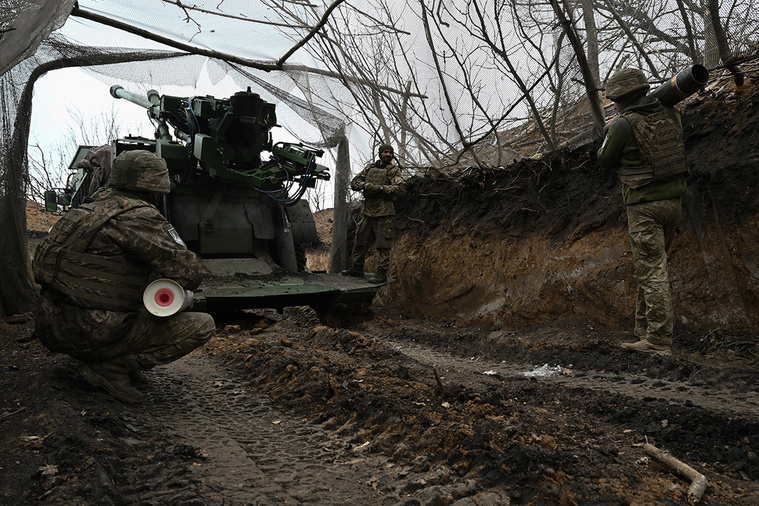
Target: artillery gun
(242, 214)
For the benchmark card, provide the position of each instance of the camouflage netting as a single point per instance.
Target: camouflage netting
(154, 67)
(451, 84)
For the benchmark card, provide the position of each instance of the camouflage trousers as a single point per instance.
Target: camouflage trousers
(652, 227)
(378, 230)
(144, 340)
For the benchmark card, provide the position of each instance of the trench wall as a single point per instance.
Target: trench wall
(546, 239)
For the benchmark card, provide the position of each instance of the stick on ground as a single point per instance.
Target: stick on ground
(698, 481)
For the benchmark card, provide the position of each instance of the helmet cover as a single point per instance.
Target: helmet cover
(140, 170)
(626, 82)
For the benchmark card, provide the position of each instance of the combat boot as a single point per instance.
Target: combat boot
(379, 277)
(647, 346)
(113, 377)
(356, 271)
(139, 380)
(136, 376)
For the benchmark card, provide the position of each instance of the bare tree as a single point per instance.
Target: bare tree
(564, 17)
(46, 170)
(50, 169)
(502, 49)
(714, 27)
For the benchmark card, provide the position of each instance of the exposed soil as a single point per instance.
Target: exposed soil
(490, 374)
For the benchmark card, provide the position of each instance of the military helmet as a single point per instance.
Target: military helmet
(140, 170)
(626, 82)
(385, 147)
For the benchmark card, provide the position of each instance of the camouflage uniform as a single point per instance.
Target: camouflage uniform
(93, 268)
(652, 228)
(645, 145)
(380, 183)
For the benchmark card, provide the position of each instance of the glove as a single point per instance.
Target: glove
(372, 188)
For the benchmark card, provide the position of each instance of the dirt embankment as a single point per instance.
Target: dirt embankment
(547, 239)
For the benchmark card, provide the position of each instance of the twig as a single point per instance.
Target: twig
(698, 481)
(443, 208)
(414, 219)
(13, 413)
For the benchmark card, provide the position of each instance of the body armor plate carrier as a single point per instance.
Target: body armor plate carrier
(378, 204)
(376, 175)
(660, 140)
(90, 281)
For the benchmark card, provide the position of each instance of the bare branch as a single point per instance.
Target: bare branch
(221, 14)
(314, 30)
(257, 64)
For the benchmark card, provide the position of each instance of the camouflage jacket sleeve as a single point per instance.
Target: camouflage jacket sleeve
(395, 184)
(618, 145)
(145, 235)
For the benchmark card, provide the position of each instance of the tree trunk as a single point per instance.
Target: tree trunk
(590, 87)
(690, 38)
(711, 51)
(591, 33)
(722, 46)
(339, 254)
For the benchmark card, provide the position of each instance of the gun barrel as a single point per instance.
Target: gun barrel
(681, 86)
(118, 92)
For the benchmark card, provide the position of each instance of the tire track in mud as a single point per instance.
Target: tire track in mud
(244, 450)
(690, 393)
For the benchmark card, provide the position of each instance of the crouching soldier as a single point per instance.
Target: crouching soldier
(94, 267)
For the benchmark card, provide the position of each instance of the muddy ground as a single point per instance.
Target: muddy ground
(400, 410)
(490, 374)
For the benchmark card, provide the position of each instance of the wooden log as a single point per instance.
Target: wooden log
(698, 481)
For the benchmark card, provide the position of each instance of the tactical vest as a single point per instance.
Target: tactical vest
(379, 204)
(90, 281)
(375, 175)
(662, 152)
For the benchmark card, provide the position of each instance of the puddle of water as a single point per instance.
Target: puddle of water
(544, 370)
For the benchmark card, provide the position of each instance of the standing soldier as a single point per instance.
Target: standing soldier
(645, 144)
(380, 181)
(94, 267)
